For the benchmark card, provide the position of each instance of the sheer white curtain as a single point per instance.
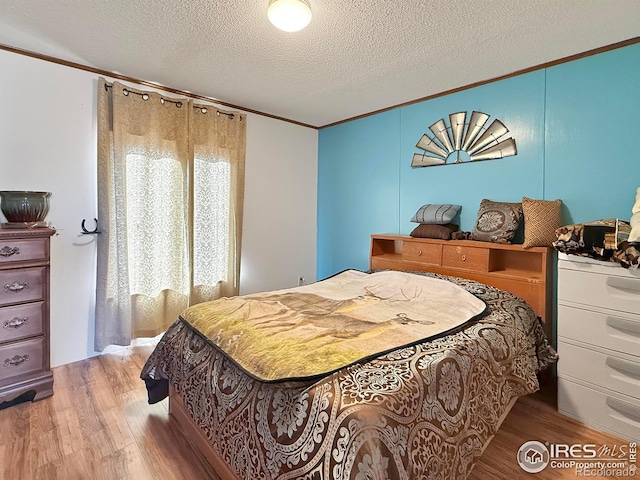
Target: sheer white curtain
(170, 191)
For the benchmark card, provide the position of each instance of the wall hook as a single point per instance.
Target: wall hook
(89, 232)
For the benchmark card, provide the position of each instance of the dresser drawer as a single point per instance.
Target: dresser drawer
(21, 321)
(612, 330)
(615, 413)
(421, 252)
(607, 291)
(22, 285)
(608, 371)
(23, 250)
(21, 357)
(468, 258)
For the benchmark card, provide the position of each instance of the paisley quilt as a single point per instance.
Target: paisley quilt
(419, 411)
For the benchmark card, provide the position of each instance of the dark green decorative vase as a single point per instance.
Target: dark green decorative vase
(24, 206)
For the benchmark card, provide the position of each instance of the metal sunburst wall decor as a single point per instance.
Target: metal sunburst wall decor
(472, 139)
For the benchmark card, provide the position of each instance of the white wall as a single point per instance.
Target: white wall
(279, 237)
(48, 142)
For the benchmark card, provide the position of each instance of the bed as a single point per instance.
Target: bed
(421, 408)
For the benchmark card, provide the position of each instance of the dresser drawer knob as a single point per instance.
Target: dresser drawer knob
(16, 287)
(16, 360)
(7, 251)
(464, 258)
(419, 252)
(15, 322)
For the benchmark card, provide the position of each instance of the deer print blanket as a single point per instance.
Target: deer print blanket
(311, 331)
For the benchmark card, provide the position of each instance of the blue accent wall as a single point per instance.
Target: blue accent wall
(359, 180)
(592, 154)
(575, 125)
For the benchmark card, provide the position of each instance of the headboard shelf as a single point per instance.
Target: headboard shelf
(525, 272)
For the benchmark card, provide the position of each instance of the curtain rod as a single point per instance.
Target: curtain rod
(177, 103)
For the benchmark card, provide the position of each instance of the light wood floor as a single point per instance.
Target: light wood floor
(98, 425)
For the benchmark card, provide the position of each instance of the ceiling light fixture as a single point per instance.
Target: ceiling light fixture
(289, 15)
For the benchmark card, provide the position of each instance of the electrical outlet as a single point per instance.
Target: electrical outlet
(301, 281)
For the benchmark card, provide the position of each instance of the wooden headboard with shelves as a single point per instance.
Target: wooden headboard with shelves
(527, 273)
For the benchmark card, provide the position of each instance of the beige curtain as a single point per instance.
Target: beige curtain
(170, 195)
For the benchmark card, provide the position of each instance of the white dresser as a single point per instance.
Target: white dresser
(599, 345)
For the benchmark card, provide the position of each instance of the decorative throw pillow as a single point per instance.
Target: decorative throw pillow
(496, 222)
(432, 213)
(427, 230)
(634, 236)
(541, 219)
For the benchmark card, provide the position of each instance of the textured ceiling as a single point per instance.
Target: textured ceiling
(355, 57)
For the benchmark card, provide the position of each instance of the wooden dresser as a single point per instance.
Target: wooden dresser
(599, 345)
(24, 314)
(526, 273)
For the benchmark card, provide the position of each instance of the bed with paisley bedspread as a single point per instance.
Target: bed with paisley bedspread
(422, 405)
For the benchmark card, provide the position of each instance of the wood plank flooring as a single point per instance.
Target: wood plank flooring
(535, 417)
(98, 425)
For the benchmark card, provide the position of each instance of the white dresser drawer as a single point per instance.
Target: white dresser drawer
(615, 413)
(617, 292)
(607, 371)
(617, 331)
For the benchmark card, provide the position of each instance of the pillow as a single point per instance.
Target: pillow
(432, 213)
(496, 222)
(634, 236)
(427, 230)
(541, 219)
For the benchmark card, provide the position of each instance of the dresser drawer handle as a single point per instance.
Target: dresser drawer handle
(7, 251)
(419, 252)
(624, 366)
(16, 322)
(16, 287)
(625, 325)
(627, 286)
(627, 409)
(16, 360)
(464, 258)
